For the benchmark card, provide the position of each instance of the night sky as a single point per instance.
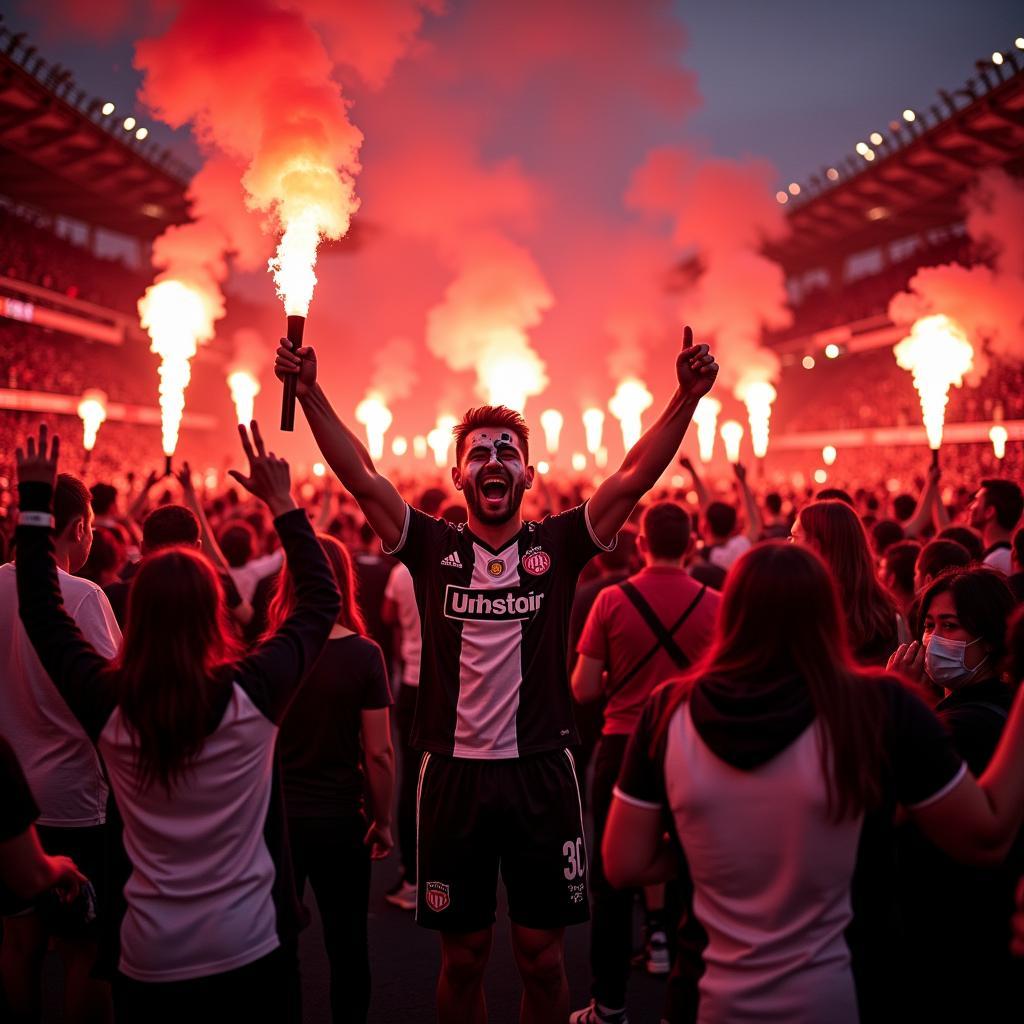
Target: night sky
(503, 145)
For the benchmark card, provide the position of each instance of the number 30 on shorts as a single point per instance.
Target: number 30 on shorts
(574, 852)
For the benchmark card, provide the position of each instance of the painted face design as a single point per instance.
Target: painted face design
(493, 474)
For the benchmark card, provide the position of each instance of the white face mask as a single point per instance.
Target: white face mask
(944, 661)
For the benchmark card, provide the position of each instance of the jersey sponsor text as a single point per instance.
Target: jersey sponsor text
(475, 604)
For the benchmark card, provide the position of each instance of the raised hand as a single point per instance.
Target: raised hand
(908, 661)
(696, 368)
(269, 478)
(301, 362)
(39, 464)
(184, 476)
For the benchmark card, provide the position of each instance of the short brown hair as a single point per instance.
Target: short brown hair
(491, 416)
(71, 500)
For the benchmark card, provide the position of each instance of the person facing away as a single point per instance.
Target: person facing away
(647, 629)
(59, 761)
(497, 785)
(187, 731)
(764, 759)
(834, 531)
(996, 510)
(950, 910)
(338, 721)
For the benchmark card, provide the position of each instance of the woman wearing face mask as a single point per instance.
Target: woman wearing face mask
(957, 918)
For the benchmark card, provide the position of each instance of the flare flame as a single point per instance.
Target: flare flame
(732, 436)
(244, 389)
(376, 417)
(757, 396)
(551, 422)
(178, 318)
(938, 355)
(706, 418)
(999, 435)
(593, 427)
(627, 405)
(93, 411)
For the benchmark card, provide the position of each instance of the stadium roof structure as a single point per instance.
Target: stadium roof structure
(58, 154)
(912, 177)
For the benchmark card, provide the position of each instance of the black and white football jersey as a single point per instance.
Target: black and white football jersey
(495, 625)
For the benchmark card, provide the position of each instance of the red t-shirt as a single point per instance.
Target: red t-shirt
(618, 637)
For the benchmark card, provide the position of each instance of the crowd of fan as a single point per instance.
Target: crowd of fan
(908, 540)
(31, 251)
(870, 390)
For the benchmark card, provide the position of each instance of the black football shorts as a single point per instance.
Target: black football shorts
(521, 817)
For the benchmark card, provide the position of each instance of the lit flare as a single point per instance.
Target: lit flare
(376, 417)
(938, 355)
(731, 432)
(593, 428)
(92, 410)
(551, 422)
(244, 389)
(706, 418)
(627, 405)
(758, 396)
(999, 435)
(178, 318)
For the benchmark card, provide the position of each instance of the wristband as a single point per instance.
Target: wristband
(35, 519)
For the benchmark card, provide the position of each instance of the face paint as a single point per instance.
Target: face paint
(493, 475)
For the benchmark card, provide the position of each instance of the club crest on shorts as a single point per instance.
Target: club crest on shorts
(437, 896)
(495, 567)
(536, 561)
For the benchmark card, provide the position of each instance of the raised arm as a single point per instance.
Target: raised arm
(755, 524)
(272, 672)
(239, 608)
(644, 463)
(341, 448)
(699, 487)
(925, 511)
(69, 659)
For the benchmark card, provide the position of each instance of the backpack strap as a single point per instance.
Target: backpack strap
(665, 636)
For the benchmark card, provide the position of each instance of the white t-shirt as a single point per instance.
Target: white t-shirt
(400, 590)
(724, 554)
(247, 576)
(1000, 558)
(61, 765)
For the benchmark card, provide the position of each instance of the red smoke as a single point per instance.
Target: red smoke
(988, 302)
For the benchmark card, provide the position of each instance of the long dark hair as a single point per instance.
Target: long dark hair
(176, 638)
(350, 616)
(780, 617)
(983, 601)
(837, 534)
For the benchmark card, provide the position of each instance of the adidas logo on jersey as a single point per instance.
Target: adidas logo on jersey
(452, 561)
(493, 605)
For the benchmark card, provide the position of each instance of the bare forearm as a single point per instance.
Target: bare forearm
(342, 449)
(380, 781)
(657, 447)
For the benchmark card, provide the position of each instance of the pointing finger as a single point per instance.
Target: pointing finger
(687, 337)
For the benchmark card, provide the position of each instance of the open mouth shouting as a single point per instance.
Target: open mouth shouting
(494, 489)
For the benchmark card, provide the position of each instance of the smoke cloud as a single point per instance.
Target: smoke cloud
(988, 302)
(722, 213)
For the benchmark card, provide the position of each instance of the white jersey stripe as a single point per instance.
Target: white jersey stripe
(490, 670)
(419, 795)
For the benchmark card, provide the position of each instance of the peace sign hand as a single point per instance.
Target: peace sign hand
(696, 368)
(38, 465)
(269, 478)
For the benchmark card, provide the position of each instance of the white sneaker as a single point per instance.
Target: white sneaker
(403, 897)
(658, 961)
(595, 1013)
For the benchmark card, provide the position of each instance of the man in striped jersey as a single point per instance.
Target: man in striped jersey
(497, 787)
